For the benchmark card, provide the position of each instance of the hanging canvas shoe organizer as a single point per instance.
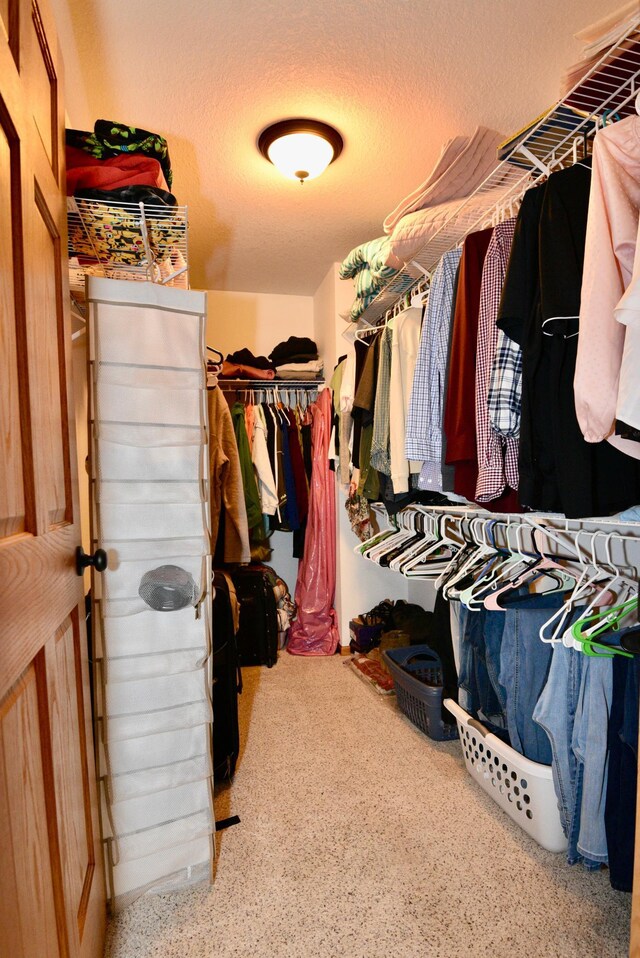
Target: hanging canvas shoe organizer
(150, 513)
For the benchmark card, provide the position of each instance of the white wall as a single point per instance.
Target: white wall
(359, 584)
(260, 321)
(77, 110)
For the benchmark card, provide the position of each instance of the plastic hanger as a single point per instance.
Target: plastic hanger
(476, 560)
(589, 575)
(507, 564)
(445, 547)
(603, 596)
(540, 568)
(420, 297)
(425, 537)
(611, 618)
(605, 621)
(362, 547)
(488, 573)
(466, 551)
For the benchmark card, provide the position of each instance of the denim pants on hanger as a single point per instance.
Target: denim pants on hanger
(573, 710)
(524, 666)
(480, 640)
(555, 713)
(620, 808)
(590, 746)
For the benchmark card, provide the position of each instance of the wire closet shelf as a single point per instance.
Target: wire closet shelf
(132, 241)
(606, 91)
(273, 383)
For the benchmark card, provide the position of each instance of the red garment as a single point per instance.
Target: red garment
(86, 172)
(237, 371)
(460, 407)
(297, 465)
(315, 631)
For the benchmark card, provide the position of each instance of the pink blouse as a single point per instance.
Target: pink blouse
(612, 228)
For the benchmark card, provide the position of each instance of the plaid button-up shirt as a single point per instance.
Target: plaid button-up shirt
(497, 455)
(424, 422)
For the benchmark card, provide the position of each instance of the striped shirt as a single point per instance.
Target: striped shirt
(424, 422)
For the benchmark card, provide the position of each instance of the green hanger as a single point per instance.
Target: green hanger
(590, 647)
(606, 621)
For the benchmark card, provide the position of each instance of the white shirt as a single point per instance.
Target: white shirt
(404, 353)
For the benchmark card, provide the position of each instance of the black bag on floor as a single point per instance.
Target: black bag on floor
(258, 632)
(227, 683)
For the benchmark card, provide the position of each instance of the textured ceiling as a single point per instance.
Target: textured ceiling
(396, 78)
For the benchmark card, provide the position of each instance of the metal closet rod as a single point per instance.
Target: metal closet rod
(273, 383)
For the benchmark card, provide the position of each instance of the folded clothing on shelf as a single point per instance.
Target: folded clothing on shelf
(310, 370)
(149, 195)
(239, 371)
(371, 266)
(296, 349)
(88, 172)
(597, 38)
(244, 357)
(415, 230)
(464, 163)
(113, 139)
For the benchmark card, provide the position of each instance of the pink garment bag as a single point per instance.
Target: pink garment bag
(315, 631)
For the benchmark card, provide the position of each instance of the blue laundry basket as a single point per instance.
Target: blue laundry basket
(417, 676)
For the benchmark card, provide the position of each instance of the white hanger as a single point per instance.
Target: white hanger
(420, 297)
(582, 588)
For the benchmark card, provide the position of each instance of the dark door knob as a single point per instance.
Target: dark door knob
(98, 560)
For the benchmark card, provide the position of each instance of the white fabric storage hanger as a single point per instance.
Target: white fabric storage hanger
(149, 470)
(194, 764)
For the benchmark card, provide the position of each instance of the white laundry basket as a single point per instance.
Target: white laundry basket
(524, 789)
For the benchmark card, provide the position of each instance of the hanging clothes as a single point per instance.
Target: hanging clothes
(497, 456)
(459, 410)
(612, 232)
(519, 318)
(360, 350)
(424, 420)
(364, 400)
(257, 534)
(267, 489)
(540, 309)
(225, 485)
(380, 458)
(404, 354)
(315, 631)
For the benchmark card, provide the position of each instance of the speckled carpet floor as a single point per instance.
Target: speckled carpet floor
(361, 838)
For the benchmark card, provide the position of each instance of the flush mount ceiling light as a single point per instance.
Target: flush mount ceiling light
(300, 149)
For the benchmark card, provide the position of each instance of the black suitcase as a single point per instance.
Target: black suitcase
(258, 632)
(227, 683)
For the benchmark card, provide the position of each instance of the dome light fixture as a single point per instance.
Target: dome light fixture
(300, 149)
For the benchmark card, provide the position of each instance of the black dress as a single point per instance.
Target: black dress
(540, 306)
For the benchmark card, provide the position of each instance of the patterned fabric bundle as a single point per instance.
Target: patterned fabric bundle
(111, 139)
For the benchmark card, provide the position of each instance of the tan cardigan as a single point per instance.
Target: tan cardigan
(226, 482)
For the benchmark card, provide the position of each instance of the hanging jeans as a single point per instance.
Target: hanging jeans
(480, 640)
(524, 666)
(620, 809)
(555, 713)
(573, 709)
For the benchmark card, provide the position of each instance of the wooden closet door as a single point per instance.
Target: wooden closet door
(52, 899)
